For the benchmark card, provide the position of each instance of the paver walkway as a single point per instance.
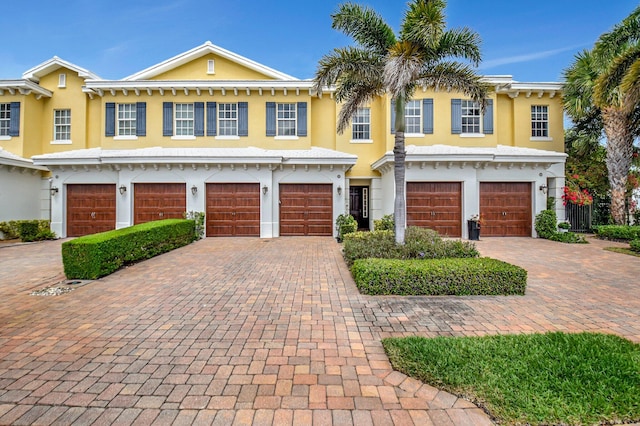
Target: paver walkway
(249, 331)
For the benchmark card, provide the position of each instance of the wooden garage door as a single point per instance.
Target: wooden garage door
(91, 208)
(157, 201)
(306, 209)
(233, 209)
(505, 208)
(435, 205)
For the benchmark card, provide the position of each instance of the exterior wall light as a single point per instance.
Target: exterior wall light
(194, 190)
(122, 189)
(54, 190)
(265, 189)
(339, 190)
(543, 188)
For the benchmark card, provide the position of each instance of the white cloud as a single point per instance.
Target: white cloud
(492, 63)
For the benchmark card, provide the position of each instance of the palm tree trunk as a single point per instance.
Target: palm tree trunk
(619, 155)
(399, 155)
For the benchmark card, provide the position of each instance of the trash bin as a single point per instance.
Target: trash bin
(473, 227)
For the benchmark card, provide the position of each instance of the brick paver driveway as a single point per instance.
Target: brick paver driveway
(241, 331)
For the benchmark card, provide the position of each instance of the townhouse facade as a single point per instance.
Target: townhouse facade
(257, 150)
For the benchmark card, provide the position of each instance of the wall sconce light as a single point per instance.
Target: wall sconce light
(54, 190)
(543, 188)
(194, 190)
(122, 189)
(265, 189)
(339, 190)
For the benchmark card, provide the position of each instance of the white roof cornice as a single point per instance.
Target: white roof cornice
(12, 160)
(200, 51)
(24, 87)
(53, 64)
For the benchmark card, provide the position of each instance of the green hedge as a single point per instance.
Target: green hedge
(420, 243)
(617, 232)
(635, 245)
(27, 230)
(435, 277)
(94, 256)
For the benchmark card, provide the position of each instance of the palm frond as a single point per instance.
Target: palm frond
(580, 80)
(354, 95)
(460, 43)
(403, 67)
(365, 26)
(424, 23)
(454, 76)
(627, 31)
(607, 89)
(349, 61)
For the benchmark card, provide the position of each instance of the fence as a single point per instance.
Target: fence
(579, 217)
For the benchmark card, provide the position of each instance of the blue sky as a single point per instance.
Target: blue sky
(533, 41)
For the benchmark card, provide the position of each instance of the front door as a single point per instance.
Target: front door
(359, 205)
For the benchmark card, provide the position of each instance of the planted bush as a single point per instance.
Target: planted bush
(435, 277)
(420, 243)
(386, 223)
(546, 223)
(345, 224)
(94, 256)
(635, 245)
(617, 232)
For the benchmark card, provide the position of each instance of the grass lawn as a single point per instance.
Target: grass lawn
(552, 378)
(623, 250)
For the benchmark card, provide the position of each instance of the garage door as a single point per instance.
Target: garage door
(91, 208)
(435, 205)
(505, 208)
(157, 201)
(306, 209)
(233, 209)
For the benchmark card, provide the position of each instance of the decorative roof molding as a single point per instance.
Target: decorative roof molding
(9, 159)
(473, 155)
(203, 50)
(24, 87)
(47, 67)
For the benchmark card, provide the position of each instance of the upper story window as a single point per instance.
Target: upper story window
(5, 119)
(418, 117)
(286, 120)
(361, 125)
(539, 122)
(468, 119)
(62, 80)
(184, 120)
(62, 125)
(9, 119)
(126, 119)
(228, 119)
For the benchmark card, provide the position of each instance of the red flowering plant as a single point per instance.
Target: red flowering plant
(574, 193)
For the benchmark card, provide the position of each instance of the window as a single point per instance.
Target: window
(361, 124)
(211, 67)
(62, 80)
(470, 116)
(539, 121)
(126, 119)
(184, 120)
(5, 119)
(412, 118)
(228, 119)
(62, 125)
(286, 120)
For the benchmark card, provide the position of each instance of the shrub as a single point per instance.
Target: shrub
(546, 223)
(635, 245)
(28, 230)
(199, 218)
(564, 225)
(568, 237)
(420, 243)
(387, 223)
(432, 277)
(94, 256)
(345, 224)
(617, 232)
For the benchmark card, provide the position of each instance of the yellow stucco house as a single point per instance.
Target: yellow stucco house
(257, 151)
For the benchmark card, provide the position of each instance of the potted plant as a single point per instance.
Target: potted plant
(473, 226)
(564, 226)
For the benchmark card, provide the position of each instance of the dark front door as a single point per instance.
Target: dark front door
(359, 205)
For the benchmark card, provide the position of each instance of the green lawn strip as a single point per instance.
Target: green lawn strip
(553, 378)
(623, 251)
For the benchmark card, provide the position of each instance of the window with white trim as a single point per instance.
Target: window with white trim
(361, 124)
(412, 117)
(228, 119)
(183, 120)
(126, 119)
(62, 125)
(5, 119)
(539, 121)
(470, 116)
(286, 119)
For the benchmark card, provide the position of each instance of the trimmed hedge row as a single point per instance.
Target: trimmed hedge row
(617, 232)
(635, 245)
(27, 230)
(438, 277)
(94, 256)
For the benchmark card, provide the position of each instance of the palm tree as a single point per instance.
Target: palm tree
(603, 86)
(381, 62)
